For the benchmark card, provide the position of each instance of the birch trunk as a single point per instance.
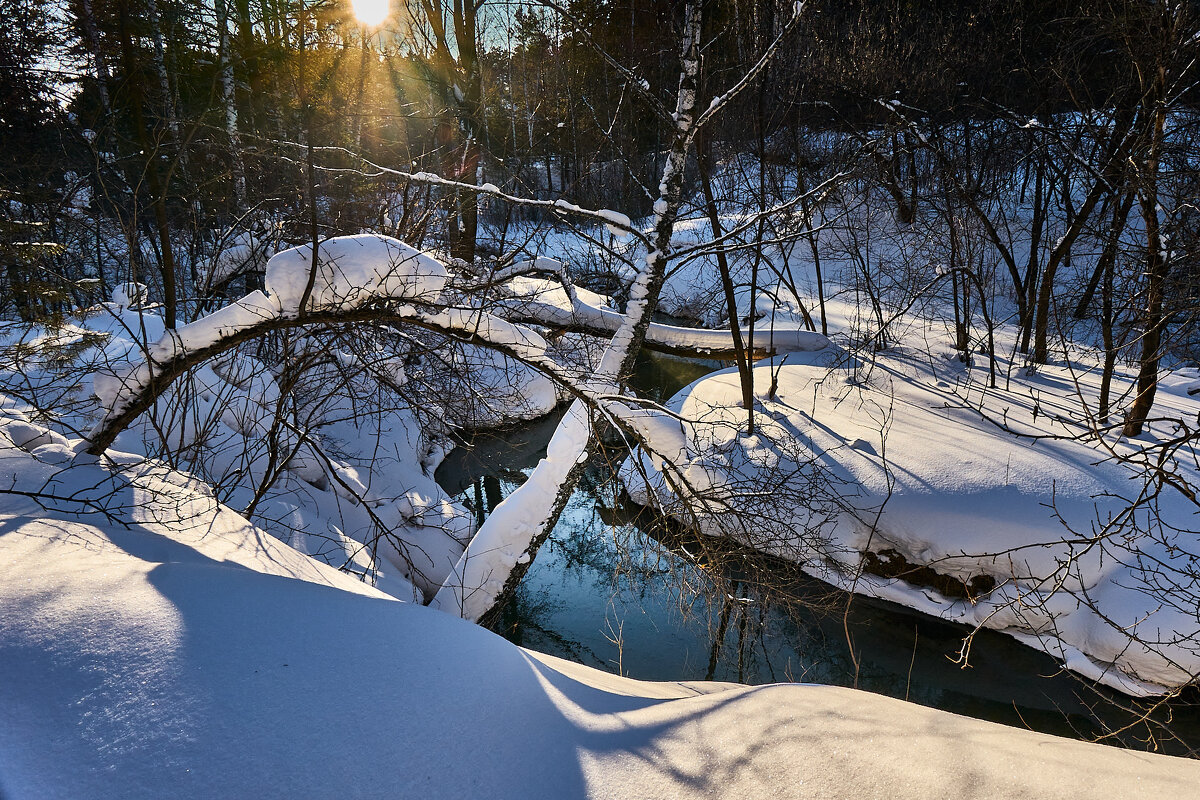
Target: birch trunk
(505, 545)
(229, 98)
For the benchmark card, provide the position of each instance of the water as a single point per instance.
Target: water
(617, 589)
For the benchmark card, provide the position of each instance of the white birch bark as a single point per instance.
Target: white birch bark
(229, 98)
(509, 538)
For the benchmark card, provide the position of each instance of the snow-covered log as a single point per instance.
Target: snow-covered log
(126, 395)
(360, 279)
(577, 315)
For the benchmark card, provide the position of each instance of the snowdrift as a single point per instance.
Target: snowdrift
(173, 650)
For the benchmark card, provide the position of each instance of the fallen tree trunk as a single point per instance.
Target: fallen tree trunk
(680, 341)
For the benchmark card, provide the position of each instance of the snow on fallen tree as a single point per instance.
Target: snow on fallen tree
(352, 270)
(540, 301)
(127, 392)
(359, 278)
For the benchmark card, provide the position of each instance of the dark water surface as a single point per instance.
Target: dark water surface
(616, 590)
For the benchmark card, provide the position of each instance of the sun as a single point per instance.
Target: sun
(370, 12)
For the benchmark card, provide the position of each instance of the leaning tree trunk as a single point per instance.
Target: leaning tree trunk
(497, 557)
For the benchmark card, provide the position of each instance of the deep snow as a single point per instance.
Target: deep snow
(143, 658)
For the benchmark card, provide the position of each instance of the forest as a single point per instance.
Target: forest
(769, 351)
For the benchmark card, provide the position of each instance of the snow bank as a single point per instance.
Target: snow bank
(347, 480)
(873, 471)
(207, 660)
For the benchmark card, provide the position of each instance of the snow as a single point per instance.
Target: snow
(129, 295)
(354, 487)
(896, 456)
(548, 303)
(349, 477)
(253, 309)
(618, 224)
(239, 253)
(522, 340)
(204, 659)
(354, 270)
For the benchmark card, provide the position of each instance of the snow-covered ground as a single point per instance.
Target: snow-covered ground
(158, 643)
(867, 466)
(154, 644)
(341, 468)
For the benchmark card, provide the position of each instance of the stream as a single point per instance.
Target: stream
(617, 588)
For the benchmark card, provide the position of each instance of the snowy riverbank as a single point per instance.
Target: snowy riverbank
(908, 478)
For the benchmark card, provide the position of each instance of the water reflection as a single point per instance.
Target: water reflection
(620, 589)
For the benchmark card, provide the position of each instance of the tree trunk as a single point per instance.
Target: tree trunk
(229, 100)
(1108, 256)
(1114, 153)
(1157, 267)
(1025, 316)
(497, 557)
(741, 357)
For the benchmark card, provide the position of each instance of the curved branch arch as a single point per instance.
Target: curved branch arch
(469, 325)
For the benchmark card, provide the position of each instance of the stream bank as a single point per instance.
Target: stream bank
(616, 588)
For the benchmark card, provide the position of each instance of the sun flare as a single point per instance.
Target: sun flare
(370, 12)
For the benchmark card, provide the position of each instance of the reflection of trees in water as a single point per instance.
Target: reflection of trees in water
(749, 602)
(765, 620)
(719, 591)
(523, 621)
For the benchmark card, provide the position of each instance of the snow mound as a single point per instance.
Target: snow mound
(129, 295)
(353, 270)
(241, 252)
